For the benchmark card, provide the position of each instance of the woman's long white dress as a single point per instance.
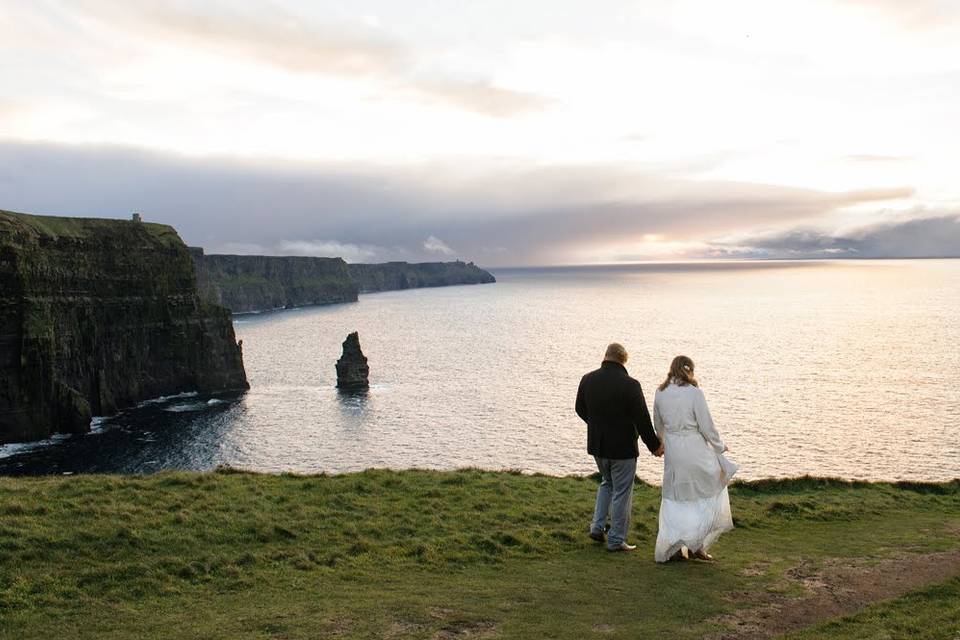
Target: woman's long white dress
(695, 507)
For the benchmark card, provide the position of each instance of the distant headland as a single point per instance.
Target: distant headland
(245, 283)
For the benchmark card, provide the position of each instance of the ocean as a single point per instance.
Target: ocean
(833, 368)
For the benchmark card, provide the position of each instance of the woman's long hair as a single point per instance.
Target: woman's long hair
(681, 372)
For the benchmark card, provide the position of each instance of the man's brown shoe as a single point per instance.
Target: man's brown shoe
(623, 546)
(598, 536)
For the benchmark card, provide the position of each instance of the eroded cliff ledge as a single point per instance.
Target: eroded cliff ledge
(260, 283)
(97, 315)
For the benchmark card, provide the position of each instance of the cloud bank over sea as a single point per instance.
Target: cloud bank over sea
(505, 215)
(505, 133)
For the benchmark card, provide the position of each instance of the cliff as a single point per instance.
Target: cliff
(97, 315)
(392, 276)
(258, 283)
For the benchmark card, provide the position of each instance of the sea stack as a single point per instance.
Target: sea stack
(352, 370)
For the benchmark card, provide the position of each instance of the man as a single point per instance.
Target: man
(613, 406)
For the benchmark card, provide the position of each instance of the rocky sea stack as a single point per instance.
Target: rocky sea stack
(97, 315)
(352, 370)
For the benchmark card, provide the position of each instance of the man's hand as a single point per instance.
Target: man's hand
(660, 450)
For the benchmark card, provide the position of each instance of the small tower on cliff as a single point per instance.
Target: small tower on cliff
(352, 370)
(136, 217)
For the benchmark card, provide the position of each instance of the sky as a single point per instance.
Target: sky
(503, 132)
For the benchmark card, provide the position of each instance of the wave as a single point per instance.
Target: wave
(98, 424)
(8, 450)
(185, 407)
(175, 396)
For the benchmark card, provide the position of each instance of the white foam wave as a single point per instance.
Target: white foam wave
(7, 450)
(162, 399)
(186, 407)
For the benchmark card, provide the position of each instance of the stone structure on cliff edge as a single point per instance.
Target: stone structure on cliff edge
(352, 370)
(97, 315)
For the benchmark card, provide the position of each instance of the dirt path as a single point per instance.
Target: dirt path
(838, 589)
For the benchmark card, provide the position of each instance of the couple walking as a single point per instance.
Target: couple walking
(695, 506)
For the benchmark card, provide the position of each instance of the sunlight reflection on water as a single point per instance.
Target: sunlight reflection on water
(831, 368)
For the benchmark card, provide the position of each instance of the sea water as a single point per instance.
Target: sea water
(833, 368)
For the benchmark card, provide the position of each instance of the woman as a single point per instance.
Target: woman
(695, 507)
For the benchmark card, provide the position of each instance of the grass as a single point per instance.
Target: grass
(427, 555)
(71, 227)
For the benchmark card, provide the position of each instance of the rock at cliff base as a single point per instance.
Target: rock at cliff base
(352, 370)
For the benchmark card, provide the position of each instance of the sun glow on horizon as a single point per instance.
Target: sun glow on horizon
(670, 109)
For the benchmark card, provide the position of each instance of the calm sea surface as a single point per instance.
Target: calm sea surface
(845, 369)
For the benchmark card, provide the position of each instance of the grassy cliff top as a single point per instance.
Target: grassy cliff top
(235, 256)
(63, 227)
(466, 554)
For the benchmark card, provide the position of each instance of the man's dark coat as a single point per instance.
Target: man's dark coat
(613, 406)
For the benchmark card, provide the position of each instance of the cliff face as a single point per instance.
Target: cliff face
(392, 276)
(258, 283)
(97, 315)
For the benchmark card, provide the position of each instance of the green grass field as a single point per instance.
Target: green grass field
(71, 227)
(418, 554)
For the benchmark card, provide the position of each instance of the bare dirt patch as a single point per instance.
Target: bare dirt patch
(461, 629)
(402, 629)
(839, 588)
(467, 630)
(757, 568)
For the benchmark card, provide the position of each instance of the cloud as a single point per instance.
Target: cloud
(279, 39)
(434, 244)
(8, 108)
(479, 95)
(240, 248)
(347, 251)
(352, 253)
(496, 214)
(922, 14)
(923, 237)
(877, 158)
(564, 229)
(293, 43)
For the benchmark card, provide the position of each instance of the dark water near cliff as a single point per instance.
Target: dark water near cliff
(847, 369)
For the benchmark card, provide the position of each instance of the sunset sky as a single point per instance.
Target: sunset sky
(504, 132)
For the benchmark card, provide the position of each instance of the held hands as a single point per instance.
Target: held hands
(660, 450)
